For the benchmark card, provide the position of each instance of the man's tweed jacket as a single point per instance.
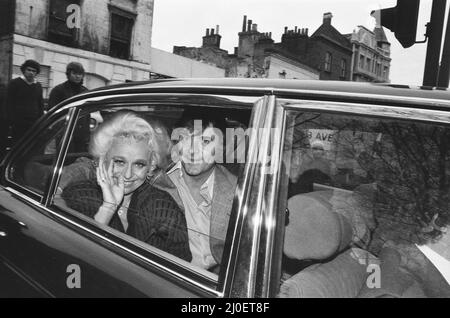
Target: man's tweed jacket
(224, 189)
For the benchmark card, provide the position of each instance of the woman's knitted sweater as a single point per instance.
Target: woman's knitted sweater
(153, 216)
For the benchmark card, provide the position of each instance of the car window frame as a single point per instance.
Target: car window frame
(150, 260)
(26, 141)
(408, 112)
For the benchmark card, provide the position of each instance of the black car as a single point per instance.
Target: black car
(343, 190)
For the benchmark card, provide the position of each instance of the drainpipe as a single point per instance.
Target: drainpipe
(353, 61)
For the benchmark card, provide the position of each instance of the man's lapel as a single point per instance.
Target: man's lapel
(224, 190)
(162, 181)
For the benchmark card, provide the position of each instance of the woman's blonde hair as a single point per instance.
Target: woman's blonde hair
(128, 125)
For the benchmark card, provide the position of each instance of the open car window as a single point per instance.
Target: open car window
(33, 168)
(156, 218)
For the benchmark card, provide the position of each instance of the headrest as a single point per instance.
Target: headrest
(314, 230)
(341, 277)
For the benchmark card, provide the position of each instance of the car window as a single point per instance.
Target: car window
(364, 194)
(33, 167)
(163, 215)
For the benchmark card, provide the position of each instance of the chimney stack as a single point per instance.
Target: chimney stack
(327, 18)
(212, 38)
(254, 27)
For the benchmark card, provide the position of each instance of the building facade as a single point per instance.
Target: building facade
(371, 55)
(111, 38)
(326, 50)
(326, 54)
(255, 57)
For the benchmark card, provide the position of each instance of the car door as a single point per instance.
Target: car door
(59, 251)
(40, 252)
(365, 186)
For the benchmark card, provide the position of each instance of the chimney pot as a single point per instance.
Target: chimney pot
(207, 32)
(254, 27)
(296, 29)
(285, 30)
(212, 31)
(217, 29)
(306, 31)
(270, 34)
(244, 25)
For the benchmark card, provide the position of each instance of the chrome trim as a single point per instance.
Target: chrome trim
(152, 94)
(368, 96)
(262, 212)
(153, 263)
(277, 91)
(371, 110)
(57, 169)
(259, 213)
(234, 280)
(272, 200)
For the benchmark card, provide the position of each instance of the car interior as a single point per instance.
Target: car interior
(345, 230)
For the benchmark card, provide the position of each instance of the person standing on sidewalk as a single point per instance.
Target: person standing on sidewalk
(73, 86)
(24, 101)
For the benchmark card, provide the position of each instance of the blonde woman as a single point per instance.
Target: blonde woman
(120, 195)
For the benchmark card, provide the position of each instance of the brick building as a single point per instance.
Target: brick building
(111, 38)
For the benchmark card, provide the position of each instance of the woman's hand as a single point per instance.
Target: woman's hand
(113, 189)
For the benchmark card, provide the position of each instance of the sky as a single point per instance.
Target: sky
(184, 23)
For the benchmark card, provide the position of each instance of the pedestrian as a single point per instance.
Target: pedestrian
(73, 86)
(24, 101)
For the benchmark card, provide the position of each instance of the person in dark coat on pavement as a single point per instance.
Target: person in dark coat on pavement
(73, 86)
(24, 101)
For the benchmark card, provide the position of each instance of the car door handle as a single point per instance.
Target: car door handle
(3, 234)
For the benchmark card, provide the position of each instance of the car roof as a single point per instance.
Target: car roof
(290, 84)
(281, 87)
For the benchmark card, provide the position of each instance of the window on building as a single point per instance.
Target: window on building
(121, 31)
(361, 62)
(385, 72)
(368, 63)
(328, 61)
(343, 68)
(378, 69)
(58, 30)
